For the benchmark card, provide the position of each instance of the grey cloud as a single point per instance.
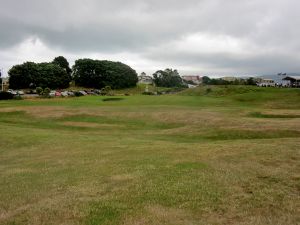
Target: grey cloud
(135, 26)
(231, 63)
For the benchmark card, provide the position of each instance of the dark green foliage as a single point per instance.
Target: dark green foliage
(78, 94)
(250, 81)
(30, 75)
(208, 90)
(63, 63)
(101, 73)
(148, 93)
(205, 80)
(39, 90)
(106, 91)
(46, 91)
(220, 81)
(52, 76)
(17, 97)
(23, 76)
(167, 78)
(6, 95)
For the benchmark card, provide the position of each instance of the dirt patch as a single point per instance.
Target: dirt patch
(122, 177)
(54, 111)
(91, 125)
(157, 214)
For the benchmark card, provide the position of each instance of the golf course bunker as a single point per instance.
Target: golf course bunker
(112, 99)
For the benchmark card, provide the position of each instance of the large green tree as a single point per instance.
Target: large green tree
(167, 78)
(52, 76)
(102, 73)
(63, 63)
(23, 76)
(31, 75)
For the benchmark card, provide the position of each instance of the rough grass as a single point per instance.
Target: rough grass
(196, 159)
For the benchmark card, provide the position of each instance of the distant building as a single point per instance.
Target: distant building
(192, 78)
(230, 79)
(4, 83)
(294, 80)
(192, 86)
(265, 82)
(145, 79)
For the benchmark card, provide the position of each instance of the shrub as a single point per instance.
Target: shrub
(167, 78)
(46, 91)
(106, 91)
(39, 90)
(6, 95)
(18, 97)
(148, 93)
(208, 90)
(78, 94)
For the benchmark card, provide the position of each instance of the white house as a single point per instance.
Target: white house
(193, 78)
(145, 79)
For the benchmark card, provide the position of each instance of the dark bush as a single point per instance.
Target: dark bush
(208, 90)
(78, 94)
(112, 99)
(46, 91)
(18, 97)
(39, 90)
(106, 91)
(6, 95)
(148, 93)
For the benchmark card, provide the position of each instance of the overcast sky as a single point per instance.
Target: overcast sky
(205, 37)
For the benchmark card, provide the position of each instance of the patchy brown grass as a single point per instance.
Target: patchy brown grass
(157, 214)
(91, 125)
(145, 172)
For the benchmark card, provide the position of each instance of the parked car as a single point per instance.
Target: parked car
(89, 92)
(83, 92)
(71, 93)
(20, 92)
(98, 92)
(12, 92)
(64, 94)
(52, 93)
(57, 93)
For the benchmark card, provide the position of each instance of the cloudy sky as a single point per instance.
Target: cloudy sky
(205, 37)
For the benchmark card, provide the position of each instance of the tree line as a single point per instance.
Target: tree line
(101, 73)
(98, 74)
(220, 81)
(58, 74)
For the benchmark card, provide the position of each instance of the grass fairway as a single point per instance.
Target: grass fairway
(227, 155)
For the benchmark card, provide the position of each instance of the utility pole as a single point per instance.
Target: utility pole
(1, 73)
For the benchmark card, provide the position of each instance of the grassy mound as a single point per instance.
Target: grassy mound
(278, 97)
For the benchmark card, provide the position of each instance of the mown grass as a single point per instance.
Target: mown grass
(272, 116)
(190, 158)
